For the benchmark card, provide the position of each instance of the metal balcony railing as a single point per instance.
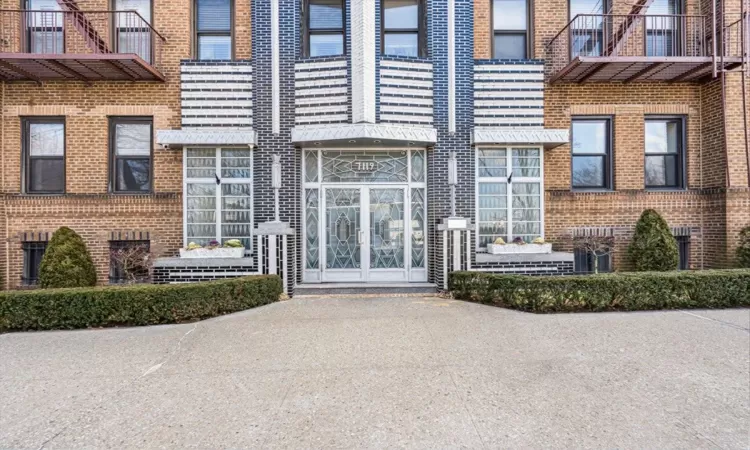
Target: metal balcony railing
(647, 44)
(86, 34)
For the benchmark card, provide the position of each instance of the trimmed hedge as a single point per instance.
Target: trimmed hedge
(608, 292)
(144, 304)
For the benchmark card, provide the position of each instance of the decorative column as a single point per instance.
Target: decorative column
(363, 61)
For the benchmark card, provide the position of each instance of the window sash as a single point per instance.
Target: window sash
(29, 159)
(33, 252)
(309, 31)
(224, 31)
(218, 224)
(116, 159)
(605, 156)
(519, 30)
(678, 156)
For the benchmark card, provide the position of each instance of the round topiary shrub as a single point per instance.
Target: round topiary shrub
(653, 247)
(66, 262)
(743, 250)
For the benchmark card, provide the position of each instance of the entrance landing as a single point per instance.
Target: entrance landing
(364, 288)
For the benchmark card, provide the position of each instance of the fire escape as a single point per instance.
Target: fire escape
(637, 47)
(67, 43)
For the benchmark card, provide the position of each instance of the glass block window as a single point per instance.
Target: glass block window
(33, 252)
(509, 195)
(218, 195)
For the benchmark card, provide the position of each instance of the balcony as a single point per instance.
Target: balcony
(628, 48)
(78, 45)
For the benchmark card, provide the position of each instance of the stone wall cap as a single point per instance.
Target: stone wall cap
(549, 138)
(187, 136)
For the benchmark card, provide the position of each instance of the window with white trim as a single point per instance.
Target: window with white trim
(218, 195)
(509, 194)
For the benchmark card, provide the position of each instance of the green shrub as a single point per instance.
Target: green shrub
(653, 247)
(66, 262)
(609, 292)
(743, 250)
(144, 304)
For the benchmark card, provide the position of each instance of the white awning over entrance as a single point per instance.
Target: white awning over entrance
(549, 138)
(368, 134)
(197, 137)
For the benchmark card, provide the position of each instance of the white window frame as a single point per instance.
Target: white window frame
(509, 190)
(186, 181)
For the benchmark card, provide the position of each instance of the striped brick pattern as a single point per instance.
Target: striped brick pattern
(509, 94)
(406, 91)
(321, 91)
(217, 94)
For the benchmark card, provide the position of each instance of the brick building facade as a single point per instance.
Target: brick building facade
(331, 86)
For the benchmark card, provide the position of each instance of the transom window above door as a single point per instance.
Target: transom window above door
(509, 194)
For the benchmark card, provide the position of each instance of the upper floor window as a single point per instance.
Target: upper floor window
(664, 153)
(510, 25)
(663, 27)
(213, 29)
(44, 155)
(132, 31)
(587, 29)
(44, 27)
(130, 150)
(324, 27)
(591, 153)
(402, 27)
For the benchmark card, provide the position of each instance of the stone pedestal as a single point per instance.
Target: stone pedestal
(273, 250)
(456, 236)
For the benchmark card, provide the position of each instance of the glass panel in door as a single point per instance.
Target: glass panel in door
(342, 229)
(386, 228)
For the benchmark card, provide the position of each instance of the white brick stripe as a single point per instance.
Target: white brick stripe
(219, 86)
(404, 119)
(389, 73)
(319, 119)
(319, 83)
(320, 65)
(321, 109)
(217, 121)
(509, 121)
(214, 112)
(509, 67)
(405, 109)
(240, 77)
(396, 64)
(203, 95)
(427, 84)
(406, 100)
(508, 94)
(509, 111)
(320, 100)
(510, 76)
(210, 103)
(322, 91)
(512, 102)
(216, 69)
(320, 74)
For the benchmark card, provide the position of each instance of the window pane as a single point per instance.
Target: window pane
(586, 7)
(142, 7)
(133, 175)
(326, 44)
(588, 171)
(201, 163)
(46, 139)
(587, 43)
(509, 14)
(46, 41)
(403, 14)
(47, 175)
(138, 42)
(526, 163)
(401, 44)
(201, 213)
(661, 170)
(589, 136)
(326, 14)
(213, 15)
(133, 139)
(214, 47)
(236, 163)
(662, 136)
(510, 46)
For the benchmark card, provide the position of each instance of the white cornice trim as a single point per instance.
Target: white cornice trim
(385, 132)
(185, 137)
(550, 138)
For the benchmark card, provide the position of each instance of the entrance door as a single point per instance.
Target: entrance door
(365, 234)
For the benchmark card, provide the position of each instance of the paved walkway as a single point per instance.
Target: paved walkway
(395, 372)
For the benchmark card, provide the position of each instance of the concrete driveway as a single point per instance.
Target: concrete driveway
(385, 372)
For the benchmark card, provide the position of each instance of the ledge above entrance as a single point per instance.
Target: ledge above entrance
(363, 134)
(549, 138)
(184, 137)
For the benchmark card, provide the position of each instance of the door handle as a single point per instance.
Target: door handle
(361, 237)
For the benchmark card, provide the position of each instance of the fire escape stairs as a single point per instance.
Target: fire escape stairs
(619, 38)
(84, 26)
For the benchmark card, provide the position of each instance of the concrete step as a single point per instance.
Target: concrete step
(364, 288)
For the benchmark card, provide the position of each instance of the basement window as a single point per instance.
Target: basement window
(33, 252)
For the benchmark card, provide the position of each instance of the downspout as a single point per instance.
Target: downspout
(744, 31)
(6, 278)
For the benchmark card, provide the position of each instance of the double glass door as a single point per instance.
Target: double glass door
(365, 233)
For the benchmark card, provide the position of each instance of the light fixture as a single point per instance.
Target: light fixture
(317, 143)
(411, 143)
(352, 141)
(376, 141)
